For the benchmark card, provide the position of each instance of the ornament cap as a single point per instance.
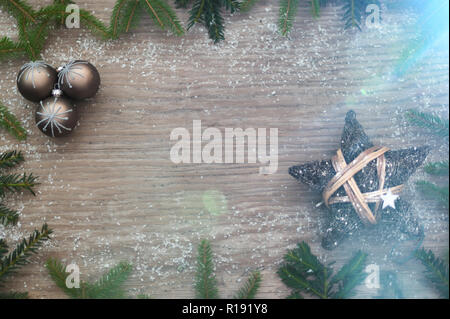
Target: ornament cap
(57, 92)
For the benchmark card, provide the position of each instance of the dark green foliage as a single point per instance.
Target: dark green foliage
(109, 286)
(209, 13)
(19, 256)
(305, 274)
(433, 123)
(288, 11)
(354, 11)
(433, 191)
(34, 25)
(14, 295)
(246, 5)
(437, 168)
(8, 216)
(436, 269)
(439, 127)
(10, 123)
(206, 283)
(250, 288)
(16, 183)
(10, 159)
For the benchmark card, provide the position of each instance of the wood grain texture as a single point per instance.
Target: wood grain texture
(110, 191)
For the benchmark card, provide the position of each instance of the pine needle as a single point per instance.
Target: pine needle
(432, 191)
(94, 24)
(19, 9)
(110, 285)
(315, 8)
(437, 168)
(206, 284)
(250, 288)
(304, 273)
(9, 48)
(16, 183)
(288, 11)
(8, 216)
(433, 123)
(14, 295)
(163, 15)
(246, 5)
(10, 159)
(10, 123)
(19, 256)
(437, 270)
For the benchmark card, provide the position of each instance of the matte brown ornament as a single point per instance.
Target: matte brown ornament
(79, 79)
(36, 80)
(56, 116)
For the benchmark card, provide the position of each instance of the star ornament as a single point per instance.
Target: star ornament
(361, 184)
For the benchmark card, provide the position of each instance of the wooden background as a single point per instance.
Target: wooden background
(110, 191)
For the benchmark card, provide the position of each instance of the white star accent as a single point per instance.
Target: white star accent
(389, 199)
(51, 115)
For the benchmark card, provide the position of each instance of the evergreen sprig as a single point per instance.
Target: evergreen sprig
(206, 282)
(437, 168)
(16, 183)
(354, 12)
(109, 286)
(209, 13)
(8, 216)
(10, 123)
(19, 256)
(433, 191)
(34, 26)
(433, 123)
(303, 272)
(250, 287)
(10, 159)
(437, 270)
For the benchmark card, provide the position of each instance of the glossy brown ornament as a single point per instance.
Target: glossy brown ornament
(36, 80)
(56, 116)
(79, 80)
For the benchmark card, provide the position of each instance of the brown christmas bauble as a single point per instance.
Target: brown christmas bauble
(56, 116)
(35, 80)
(79, 79)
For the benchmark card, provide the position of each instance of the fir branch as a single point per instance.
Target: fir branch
(9, 48)
(110, 284)
(16, 183)
(433, 123)
(94, 24)
(10, 159)
(3, 248)
(246, 5)
(315, 8)
(432, 191)
(437, 168)
(19, 256)
(57, 272)
(437, 270)
(8, 216)
(250, 288)
(163, 15)
(355, 11)
(304, 273)
(116, 17)
(288, 11)
(351, 275)
(19, 9)
(14, 295)
(206, 284)
(10, 123)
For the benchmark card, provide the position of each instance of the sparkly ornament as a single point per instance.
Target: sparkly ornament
(35, 80)
(79, 79)
(56, 116)
(358, 179)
